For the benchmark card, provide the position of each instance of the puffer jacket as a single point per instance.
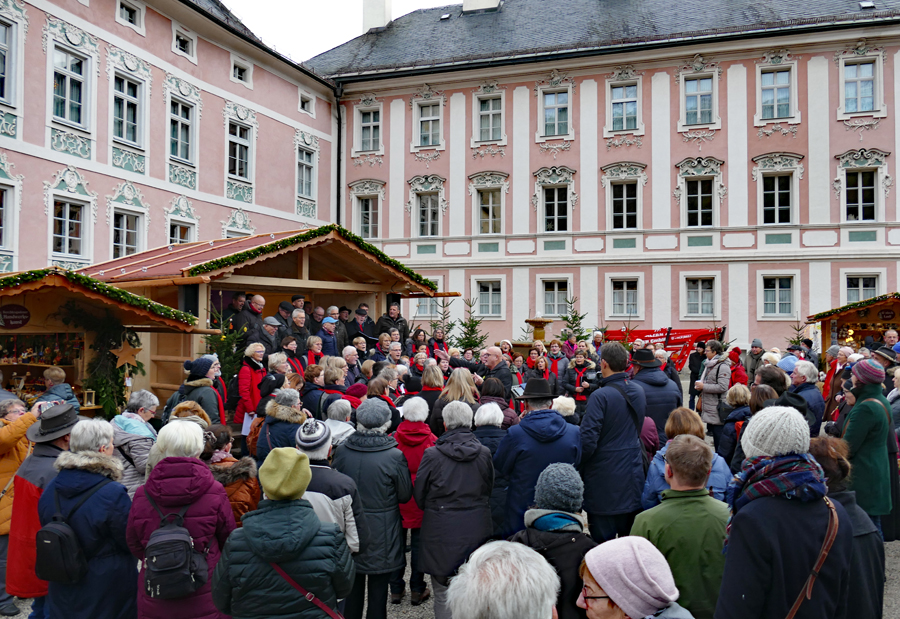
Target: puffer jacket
(61, 392)
(656, 482)
(238, 477)
(490, 437)
(662, 396)
(249, 377)
(510, 418)
(203, 393)
(716, 378)
(278, 430)
(575, 375)
(413, 438)
(133, 439)
(381, 473)
(558, 367)
(174, 483)
(14, 448)
(289, 534)
(730, 436)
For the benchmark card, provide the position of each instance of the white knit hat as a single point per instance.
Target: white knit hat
(775, 431)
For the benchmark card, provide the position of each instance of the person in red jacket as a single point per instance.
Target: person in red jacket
(738, 373)
(413, 437)
(51, 438)
(249, 376)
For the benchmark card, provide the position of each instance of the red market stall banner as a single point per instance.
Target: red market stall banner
(678, 342)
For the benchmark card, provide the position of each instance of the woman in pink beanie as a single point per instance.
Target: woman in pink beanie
(628, 578)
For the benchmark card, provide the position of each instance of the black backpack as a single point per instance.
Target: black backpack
(59, 555)
(234, 393)
(173, 568)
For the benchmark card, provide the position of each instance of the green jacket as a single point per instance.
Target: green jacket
(866, 432)
(688, 528)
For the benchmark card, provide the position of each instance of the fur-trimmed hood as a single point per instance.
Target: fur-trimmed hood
(278, 412)
(190, 411)
(230, 470)
(200, 382)
(90, 461)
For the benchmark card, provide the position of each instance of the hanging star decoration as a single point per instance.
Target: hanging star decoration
(126, 353)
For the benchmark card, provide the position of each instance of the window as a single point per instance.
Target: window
(625, 297)
(126, 102)
(698, 100)
(427, 307)
(859, 87)
(370, 129)
(624, 98)
(556, 113)
(778, 295)
(699, 201)
(556, 209)
(306, 168)
(490, 119)
(777, 199)
(130, 14)
(555, 293)
(239, 151)
(624, 206)
(428, 214)
(368, 218)
(5, 61)
(700, 296)
(181, 117)
(184, 44)
(861, 195)
(489, 300)
(69, 86)
(239, 73)
(68, 233)
(180, 233)
(489, 214)
(430, 124)
(305, 104)
(776, 94)
(5, 196)
(125, 234)
(860, 288)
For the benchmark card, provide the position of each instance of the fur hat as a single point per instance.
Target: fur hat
(775, 431)
(559, 488)
(373, 413)
(868, 372)
(285, 474)
(312, 435)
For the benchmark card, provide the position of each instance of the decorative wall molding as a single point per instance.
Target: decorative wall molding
(624, 140)
(128, 160)
(861, 125)
(237, 112)
(860, 48)
(73, 36)
(698, 136)
(490, 149)
(366, 187)
(129, 195)
(862, 158)
(700, 166)
(770, 130)
(427, 158)
(554, 80)
(368, 98)
(6, 173)
(777, 57)
(183, 208)
(241, 192)
(181, 175)
(372, 160)
(70, 143)
(69, 181)
(305, 208)
(777, 162)
(624, 72)
(488, 180)
(427, 93)
(488, 87)
(625, 170)
(185, 90)
(124, 61)
(15, 10)
(555, 148)
(554, 176)
(698, 64)
(9, 124)
(238, 221)
(430, 183)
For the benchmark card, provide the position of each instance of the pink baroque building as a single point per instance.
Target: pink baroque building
(132, 124)
(669, 164)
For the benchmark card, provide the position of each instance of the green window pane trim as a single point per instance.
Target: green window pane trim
(699, 241)
(554, 245)
(862, 236)
(489, 247)
(778, 239)
(426, 249)
(624, 243)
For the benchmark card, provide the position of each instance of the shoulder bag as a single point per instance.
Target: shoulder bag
(645, 458)
(310, 597)
(830, 535)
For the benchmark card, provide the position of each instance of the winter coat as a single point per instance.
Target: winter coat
(413, 438)
(772, 546)
(500, 371)
(453, 489)
(381, 473)
(894, 400)
(490, 437)
(289, 534)
(329, 342)
(815, 404)
(248, 324)
(729, 439)
(386, 323)
(354, 328)
(61, 393)
(239, 478)
(201, 391)
(541, 438)
(436, 420)
(109, 589)
(279, 429)
(14, 448)
(668, 368)
(174, 483)
(310, 394)
(133, 439)
(249, 377)
(564, 549)
(716, 378)
(510, 418)
(738, 375)
(866, 431)
(575, 375)
(751, 364)
(695, 367)
(612, 465)
(335, 499)
(662, 397)
(35, 474)
(866, 596)
(656, 482)
(558, 366)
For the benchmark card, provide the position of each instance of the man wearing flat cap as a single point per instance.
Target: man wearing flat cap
(360, 323)
(268, 335)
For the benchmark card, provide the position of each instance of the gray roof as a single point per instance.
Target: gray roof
(423, 40)
(219, 11)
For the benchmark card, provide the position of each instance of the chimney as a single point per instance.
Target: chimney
(376, 14)
(470, 6)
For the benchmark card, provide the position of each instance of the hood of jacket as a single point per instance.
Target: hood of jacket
(132, 426)
(91, 462)
(178, 481)
(503, 403)
(489, 432)
(278, 412)
(741, 413)
(412, 432)
(62, 390)
(652, 376)
(230, 470)
(545, 426)
(587, 365)
(533, 514)
(559, 355)
(711, 363)
(367, 440)
(190, 386)
(280, 530)
(459, 444)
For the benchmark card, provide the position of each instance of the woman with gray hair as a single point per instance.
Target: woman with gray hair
(133, 437)
(284, 416)
(803, 383)
(453, 488)
(89, 471)
(489, 432)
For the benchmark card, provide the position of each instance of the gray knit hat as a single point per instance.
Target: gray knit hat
(312, 435)
(373, 413)
(757, 343)
(775, 431)
(833, 350)
(559, 488)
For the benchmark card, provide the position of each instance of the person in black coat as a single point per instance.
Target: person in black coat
(432, 386)
(493, 367)
(555, 529)
(662, 395)
(580, 381)
(284, 416)
(360, 324)
(489, 432)
(248, 322)
(695, 367)
(453, 490)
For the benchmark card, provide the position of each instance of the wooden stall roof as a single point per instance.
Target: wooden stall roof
(341, 252)
(886, 299)
(65, 285)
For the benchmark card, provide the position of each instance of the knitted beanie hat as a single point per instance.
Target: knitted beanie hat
(834, 350)
(756, 343)
(214, 358)
(270, 384)
(373, 413)
(868, 372)
(734, 354)
(312, 435)
(357, 390)
(775, 431)
(634, 574)
(285, 474)
(787, 364)
(198, 367)
(559, 488)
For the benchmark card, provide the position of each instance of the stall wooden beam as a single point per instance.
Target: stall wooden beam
(245, 281)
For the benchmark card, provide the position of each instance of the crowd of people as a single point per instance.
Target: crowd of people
(570, 482)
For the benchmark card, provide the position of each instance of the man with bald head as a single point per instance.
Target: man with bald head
(248, 322)
(494, 366)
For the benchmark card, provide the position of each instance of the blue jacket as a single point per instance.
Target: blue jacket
(329, 343)
(815, 404)
(663, 396)
(612, 465)
(109, 590)
(656, 479)
(62, 392)
(540, 439)
(728, 440)
(278, 430)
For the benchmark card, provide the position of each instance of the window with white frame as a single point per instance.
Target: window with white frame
(778, 296)
(180, 232)
(859, 86)
(625, 297)
(70, 87)
(367, 207)
(428, 214)
(68, 228)
(306, 173)
(184, 43)
(126, 227)
(698, 100)
(429, 124)
(556, 209)
(489, 212)
(861, 287)
(126, 109)
(429, 306)
(239, 151)
(556, 113)
(862, 184)
(7, 64)
(370, 130)
(775, 92)
(777, 198)
(777, 80)
(699, 202)
(701, 300)
(490, 300)
(239, 72)
(181, 130)
(700, 191)
(306, 104)
(860, 195)
(861, 70)
(623, 98)
(490, 119)
(624, 106)
(555, 294)
(624, 205)
(131, 13)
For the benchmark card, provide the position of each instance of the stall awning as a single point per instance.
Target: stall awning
(889, 299)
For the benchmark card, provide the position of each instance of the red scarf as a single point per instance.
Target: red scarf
(554, 364)
(437, 346)
(580, 395)
(388, 400)
(410, 394)
(354, 401)
(426, 388)
(546, 374)
(221, 402)
(295, 364)
(519, 377)
(530, 362)
(312, 358)
(420, 368)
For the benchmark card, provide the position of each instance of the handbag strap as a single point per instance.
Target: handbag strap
(830, 536)
(631, 409)
(310, 597)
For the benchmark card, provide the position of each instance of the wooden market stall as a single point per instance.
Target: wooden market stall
(852, 323)
(329, 265)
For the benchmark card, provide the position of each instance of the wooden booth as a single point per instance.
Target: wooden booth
(329, 265)
(852, 323)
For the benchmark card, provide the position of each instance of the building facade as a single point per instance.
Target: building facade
(741, 174)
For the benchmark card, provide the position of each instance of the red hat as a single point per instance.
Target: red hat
(734, 354)
(357, 390)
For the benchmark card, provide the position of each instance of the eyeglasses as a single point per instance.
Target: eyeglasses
(584, 595)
